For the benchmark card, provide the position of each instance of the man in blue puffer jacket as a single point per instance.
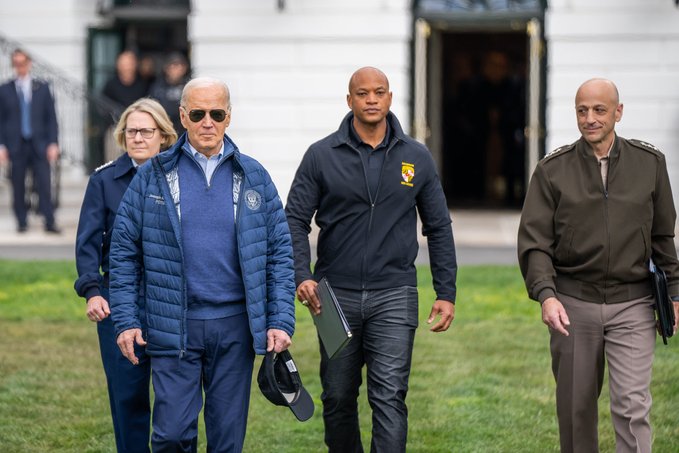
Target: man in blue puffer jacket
(207, 227)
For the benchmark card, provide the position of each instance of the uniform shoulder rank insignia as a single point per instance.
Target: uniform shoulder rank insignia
(644, 145)
(101, 167)
(560, 150)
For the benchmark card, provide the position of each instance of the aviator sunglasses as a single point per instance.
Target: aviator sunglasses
(197, 115)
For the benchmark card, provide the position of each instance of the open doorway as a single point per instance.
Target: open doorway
(478, 96)
(156, 40)
(483, 118)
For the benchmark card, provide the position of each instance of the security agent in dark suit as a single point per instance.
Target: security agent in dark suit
(28, 138)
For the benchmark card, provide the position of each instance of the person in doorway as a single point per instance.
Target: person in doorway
(142, 131)
(595, 212)
(29, 139)
(201, 232)
(168, 89)
(126, 86)
(147, 71)
(365, 184)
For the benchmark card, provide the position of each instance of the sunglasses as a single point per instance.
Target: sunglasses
(218, 115)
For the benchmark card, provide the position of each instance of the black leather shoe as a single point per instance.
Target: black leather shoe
(53, 229)
(22, 228)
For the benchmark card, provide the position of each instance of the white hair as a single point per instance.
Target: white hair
(202, 82)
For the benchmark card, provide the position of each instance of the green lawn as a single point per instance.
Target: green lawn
(483, 386)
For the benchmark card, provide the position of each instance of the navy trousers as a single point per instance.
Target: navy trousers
(128, 390)
(383, 324)
(29, 157)
(218, 360)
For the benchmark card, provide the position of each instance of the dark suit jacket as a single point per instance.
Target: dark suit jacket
(43, 117)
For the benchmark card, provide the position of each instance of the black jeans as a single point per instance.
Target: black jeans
(383, 324)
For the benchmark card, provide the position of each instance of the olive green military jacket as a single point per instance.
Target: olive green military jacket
(592, 242)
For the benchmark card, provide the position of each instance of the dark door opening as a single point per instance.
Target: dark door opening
(152, 41)
(483, 118)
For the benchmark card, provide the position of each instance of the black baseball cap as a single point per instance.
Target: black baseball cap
(281, 384)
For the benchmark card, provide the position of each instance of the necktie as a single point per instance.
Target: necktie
(26, 129)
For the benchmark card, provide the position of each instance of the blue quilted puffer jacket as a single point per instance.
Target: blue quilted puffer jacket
(147, 238)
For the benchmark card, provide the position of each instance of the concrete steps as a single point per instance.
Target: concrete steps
(73, 184)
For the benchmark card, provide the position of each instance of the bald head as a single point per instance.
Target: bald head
(126, 67)
(602, 86)
(365, 72)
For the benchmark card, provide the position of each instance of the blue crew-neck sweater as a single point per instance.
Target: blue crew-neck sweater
(214, 282)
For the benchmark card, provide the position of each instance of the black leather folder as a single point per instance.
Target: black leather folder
(663, 303)
(331, 324)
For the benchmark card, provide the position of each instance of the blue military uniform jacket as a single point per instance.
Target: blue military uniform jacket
(105, 189)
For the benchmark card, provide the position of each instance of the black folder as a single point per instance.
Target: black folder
(331, 324)
(663, 303)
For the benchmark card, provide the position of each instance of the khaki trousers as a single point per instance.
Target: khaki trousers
(622, 335)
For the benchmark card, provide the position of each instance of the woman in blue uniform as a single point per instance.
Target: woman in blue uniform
(143, 130)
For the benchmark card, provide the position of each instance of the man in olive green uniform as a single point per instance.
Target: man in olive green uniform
(595, 212)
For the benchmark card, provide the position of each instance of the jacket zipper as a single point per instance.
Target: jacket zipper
(372, 202)
(607, 223)
(236, 220)
(239, 203)
(370, 218)
(182, 327)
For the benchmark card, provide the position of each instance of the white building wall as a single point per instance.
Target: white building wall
(51, 31)
(288, 70)
(635, 43)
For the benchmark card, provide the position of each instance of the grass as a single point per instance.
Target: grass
(483, 386)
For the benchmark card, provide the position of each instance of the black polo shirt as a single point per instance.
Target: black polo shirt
(372, 158)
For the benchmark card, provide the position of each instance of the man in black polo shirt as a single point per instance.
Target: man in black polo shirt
(365, 184)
